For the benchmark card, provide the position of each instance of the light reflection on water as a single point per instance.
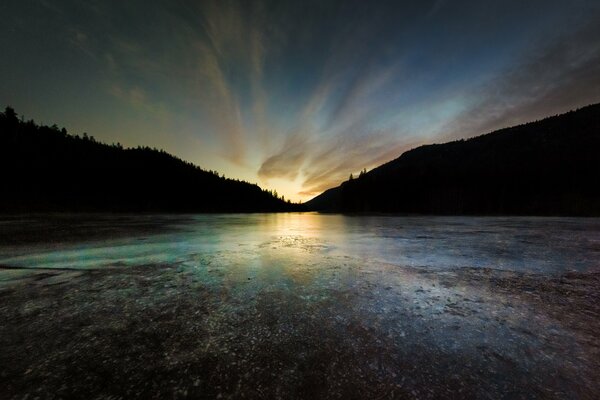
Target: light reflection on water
(511, 243)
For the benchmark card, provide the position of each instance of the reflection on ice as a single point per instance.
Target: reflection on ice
(546, 245)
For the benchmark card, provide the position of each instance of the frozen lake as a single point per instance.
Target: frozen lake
(544, 245)
(299, 306)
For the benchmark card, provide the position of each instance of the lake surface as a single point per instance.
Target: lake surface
(299, 306)
(545, 245)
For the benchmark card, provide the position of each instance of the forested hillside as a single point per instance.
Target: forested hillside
(46, 169)
(547, 167)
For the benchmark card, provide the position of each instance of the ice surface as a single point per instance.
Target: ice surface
(546, 245)
(299, 306)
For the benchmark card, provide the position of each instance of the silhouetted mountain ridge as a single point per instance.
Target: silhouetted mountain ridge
(547, 167)
(46, 169)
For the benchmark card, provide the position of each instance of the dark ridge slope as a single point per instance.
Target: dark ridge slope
(45, 169)
(547, 167)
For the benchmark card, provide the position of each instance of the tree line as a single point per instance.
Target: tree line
(44, 168)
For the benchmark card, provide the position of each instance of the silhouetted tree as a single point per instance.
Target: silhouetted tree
(10, 115)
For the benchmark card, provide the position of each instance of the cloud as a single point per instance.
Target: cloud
(222, 104)
(324, 162)
(136, 96)
(198, 57)
(288, 161)
(334, 163)
(233, 55)
(138, 99)
(553, 77)
(336, 134)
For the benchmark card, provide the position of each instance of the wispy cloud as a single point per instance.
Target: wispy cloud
(201, 56)
(337, 128)
(334, 162)
(288, 161)
(553, 76)
(234, 51)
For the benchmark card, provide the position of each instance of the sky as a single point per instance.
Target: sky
(295, 95)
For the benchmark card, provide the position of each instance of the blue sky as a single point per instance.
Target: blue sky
(295, 95)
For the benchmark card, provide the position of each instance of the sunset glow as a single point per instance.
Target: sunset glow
(295, 96)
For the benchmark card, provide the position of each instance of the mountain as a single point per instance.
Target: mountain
(547, 167)
(46, 169)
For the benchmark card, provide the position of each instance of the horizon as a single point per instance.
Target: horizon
(218, 173)
(296, 97)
